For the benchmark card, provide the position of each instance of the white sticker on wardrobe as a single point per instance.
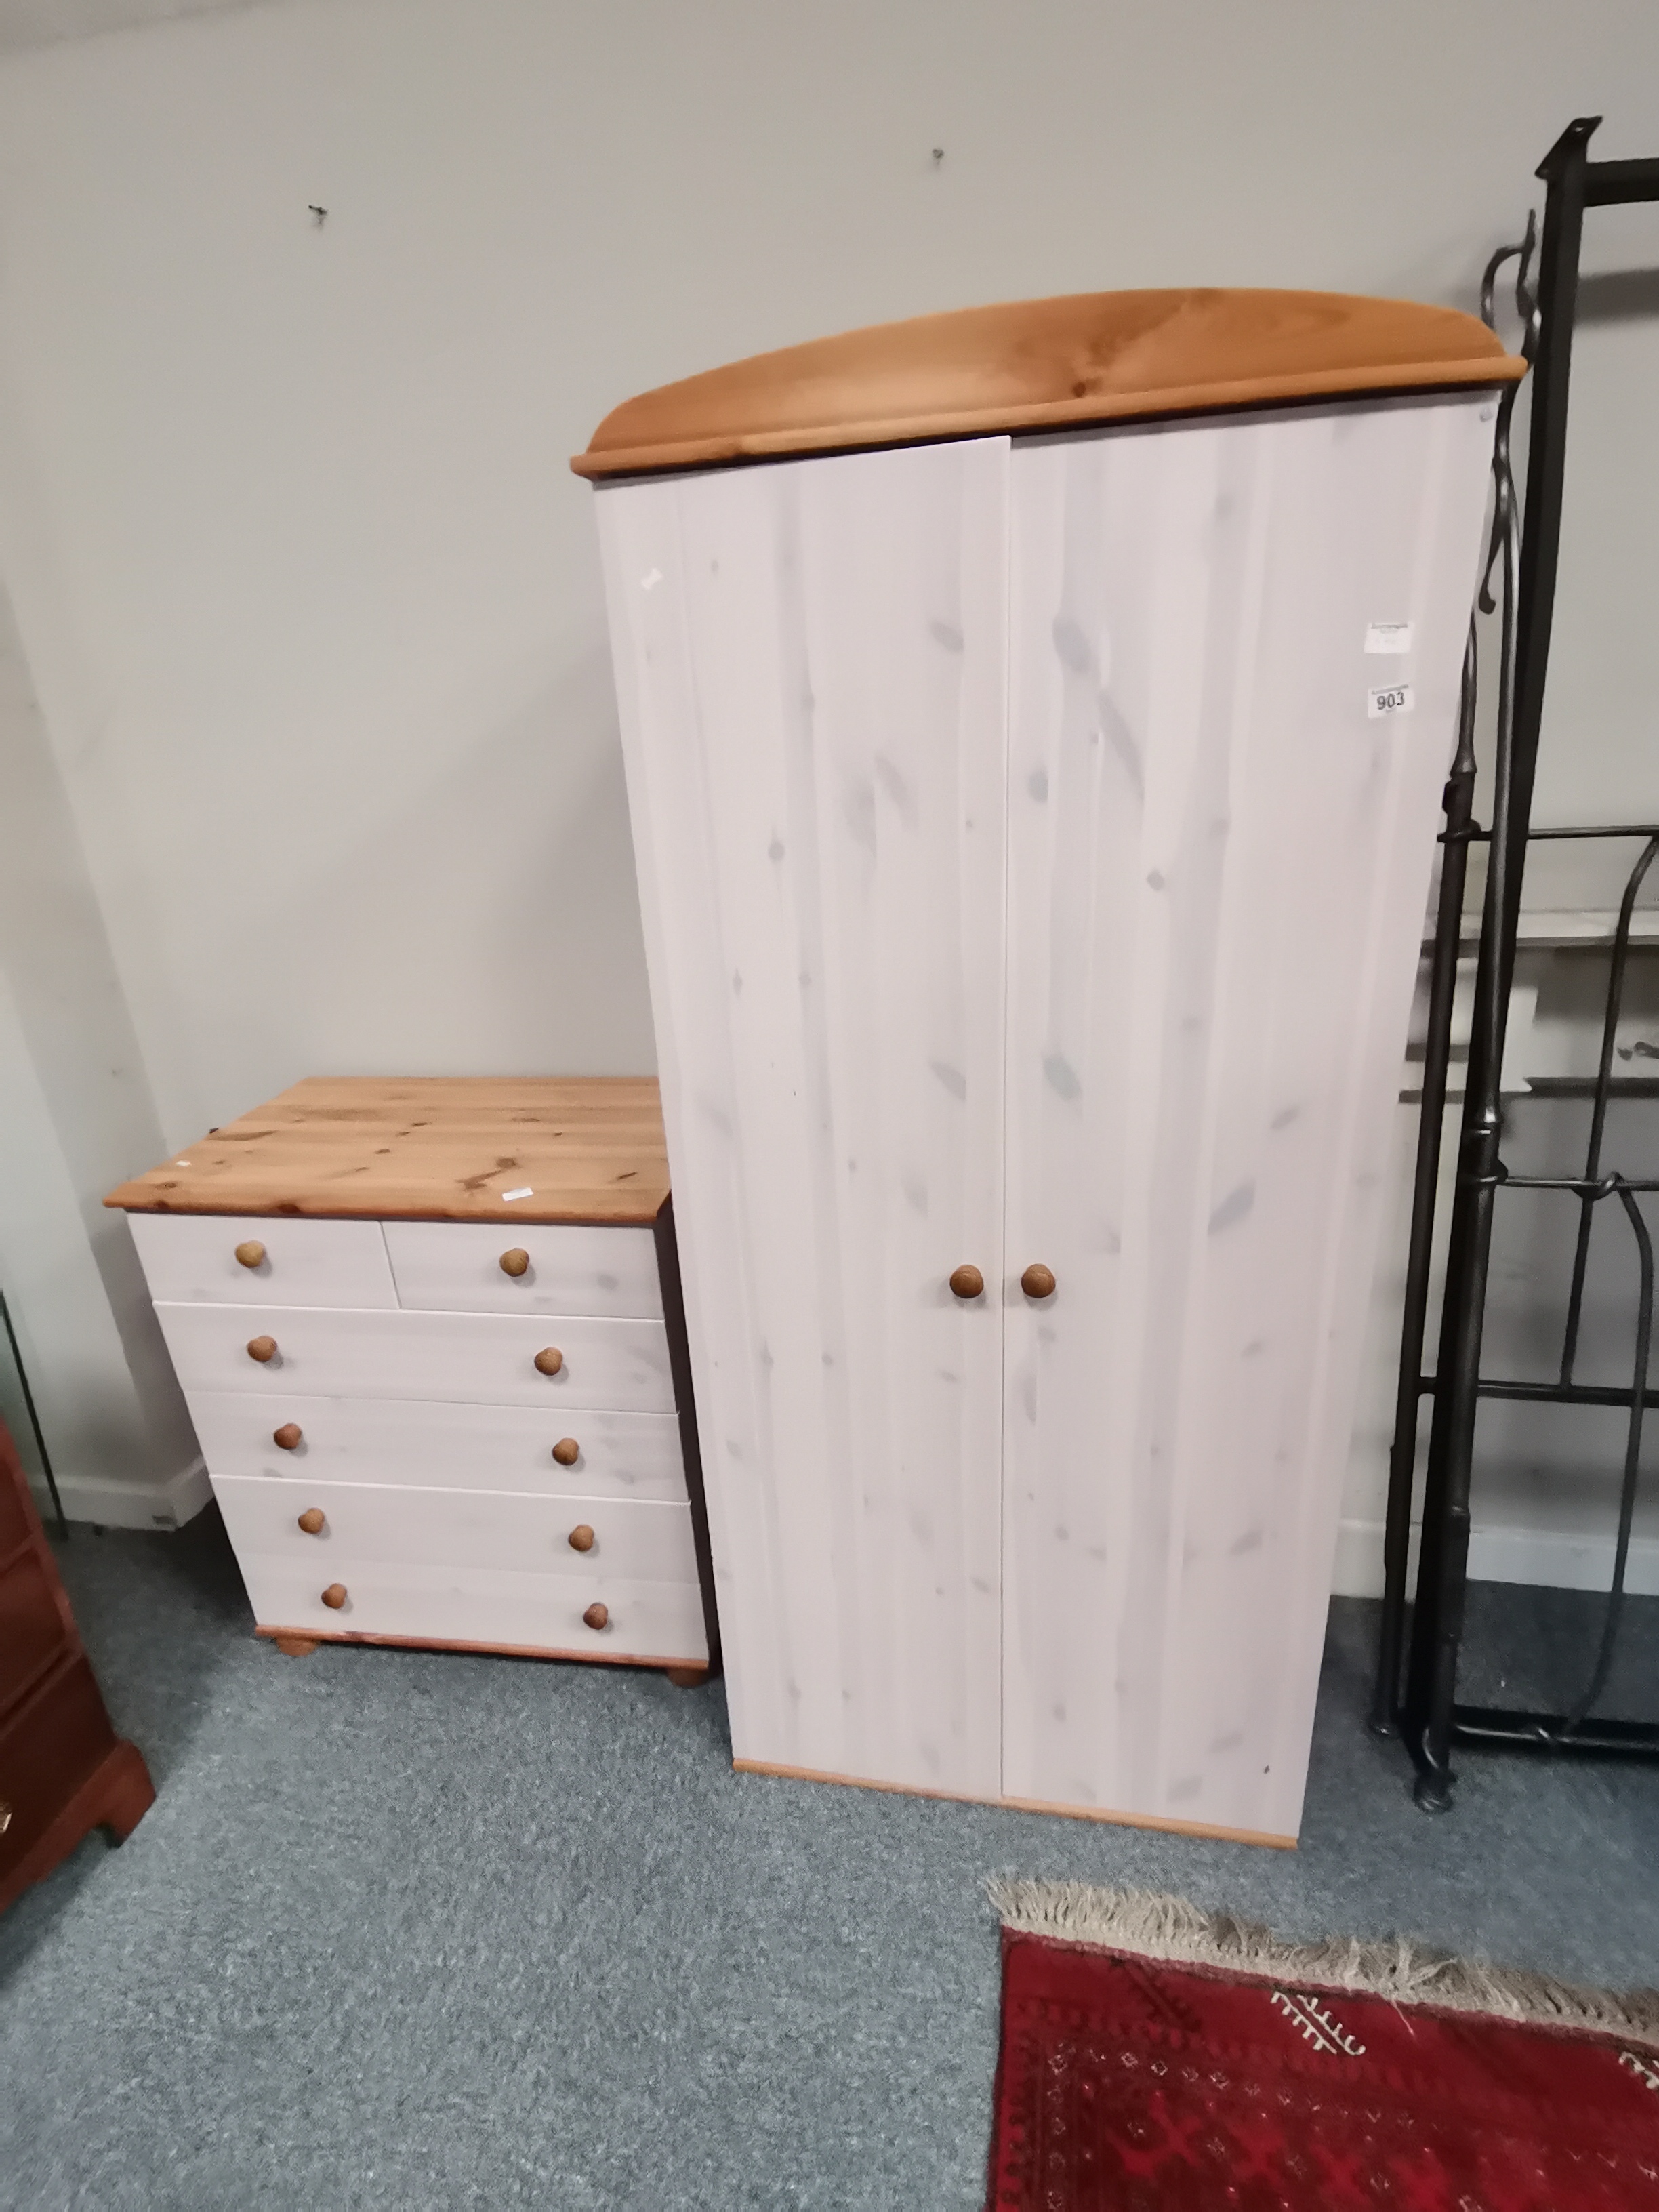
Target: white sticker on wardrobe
(1386, 699)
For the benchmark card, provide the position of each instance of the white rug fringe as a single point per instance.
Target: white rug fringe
(1173, 1927)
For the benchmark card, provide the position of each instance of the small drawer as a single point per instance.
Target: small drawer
(420, 1444)
(639, 1539)
(490, 1609)
(192, 1257)
(472, 1358)
(465, 1267)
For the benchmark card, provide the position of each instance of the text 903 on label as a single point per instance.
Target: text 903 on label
(1386, 699)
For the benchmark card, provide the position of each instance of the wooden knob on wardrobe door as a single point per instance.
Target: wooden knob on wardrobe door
(288, 1438)
(515, 1262)
(549, 1361)
(967, 1283)
(312, 1521)
(1038, 1281)
(250, 1254)
(335, 1596)
(262, 1348)
(567, 1451)
(581, 1538)
(597, 1616)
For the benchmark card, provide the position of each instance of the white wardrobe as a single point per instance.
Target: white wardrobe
(1034, 833)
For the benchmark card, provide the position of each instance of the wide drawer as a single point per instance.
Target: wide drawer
(47, 1749)
(640, 1539)
(492, 1608)
(488, 1359)
(35, 1628)
(192, 1257)
(455, 1266)
(412, 1442)
(16, 1521)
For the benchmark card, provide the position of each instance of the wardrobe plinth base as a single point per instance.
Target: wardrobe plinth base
(1202, 1828)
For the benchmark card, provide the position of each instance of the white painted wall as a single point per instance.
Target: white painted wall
(308, 600)
(25, 23)
(74, 1107)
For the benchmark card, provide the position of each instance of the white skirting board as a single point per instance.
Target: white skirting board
(111, 1504)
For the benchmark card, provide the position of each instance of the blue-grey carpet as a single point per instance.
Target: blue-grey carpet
(406, 1930)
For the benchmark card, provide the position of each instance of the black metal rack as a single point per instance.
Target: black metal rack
(1425, 1709)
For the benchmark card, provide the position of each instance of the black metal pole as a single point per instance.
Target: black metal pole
(1564, 170)
(1443, 1570)
(1436, 1061)
(1530, 567)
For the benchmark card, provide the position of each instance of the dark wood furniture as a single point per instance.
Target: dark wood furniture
(63, 1768)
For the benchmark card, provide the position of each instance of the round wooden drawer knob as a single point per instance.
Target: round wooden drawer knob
(967, 1283)
(549, 1361)
(597, 1616)
(581, 1538)
(335, 1596)
(262, 1348)
(312, 1521)
(1038, 1282)
(250, 1254)
(288, 1437)
(515, 1262)
(567, 1451)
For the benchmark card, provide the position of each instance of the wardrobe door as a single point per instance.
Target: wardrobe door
(1222, 818)
(810, 667)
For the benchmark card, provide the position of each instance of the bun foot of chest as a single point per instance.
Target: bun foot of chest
(124, 1792)
(687, 1678)
(295, 1647)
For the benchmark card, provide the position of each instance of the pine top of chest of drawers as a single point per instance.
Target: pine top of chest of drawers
(427, 1148)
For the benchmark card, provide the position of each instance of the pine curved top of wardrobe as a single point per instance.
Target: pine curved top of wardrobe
(1047, 364)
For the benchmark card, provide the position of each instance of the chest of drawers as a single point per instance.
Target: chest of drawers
(431, 1336)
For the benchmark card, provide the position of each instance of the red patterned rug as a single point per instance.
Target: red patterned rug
(1129, 2083)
